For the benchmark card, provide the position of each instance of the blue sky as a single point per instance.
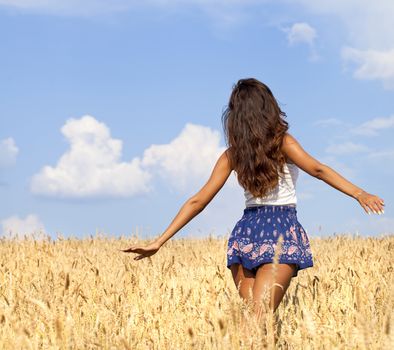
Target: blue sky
(110, 111)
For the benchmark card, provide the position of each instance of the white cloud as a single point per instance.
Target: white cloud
(369, 31)
(188, 159)
(8, 152)
(15, 227)
(92, 166)
(329, 122)
(367, 23)
(224, 14)
(387, 155)
(346, 148)
(372, 64)
(301, 33)
(373, 126)
(224, 11)
(68, 7)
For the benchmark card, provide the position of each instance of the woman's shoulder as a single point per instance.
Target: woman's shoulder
(288, 139)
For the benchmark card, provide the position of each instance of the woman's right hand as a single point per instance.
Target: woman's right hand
(143, 251)
(370, 202)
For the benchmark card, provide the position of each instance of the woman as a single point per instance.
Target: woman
(266, 159)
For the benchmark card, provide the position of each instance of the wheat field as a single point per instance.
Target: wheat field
(85, 294)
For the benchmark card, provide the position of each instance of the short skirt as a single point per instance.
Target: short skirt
(253, 240)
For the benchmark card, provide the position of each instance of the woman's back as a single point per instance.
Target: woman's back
(283, 193)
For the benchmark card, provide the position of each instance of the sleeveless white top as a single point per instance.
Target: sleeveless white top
(284, 193)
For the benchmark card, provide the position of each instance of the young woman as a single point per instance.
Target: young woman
(266, 159)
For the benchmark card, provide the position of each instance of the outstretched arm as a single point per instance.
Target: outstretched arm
(192, 207)
(197, 203)
(313, 167)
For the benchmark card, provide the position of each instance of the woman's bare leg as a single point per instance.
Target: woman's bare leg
(244, 282)
(267, 292)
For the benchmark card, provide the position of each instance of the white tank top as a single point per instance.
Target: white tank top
(284, 193)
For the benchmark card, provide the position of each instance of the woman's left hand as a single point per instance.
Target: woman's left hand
(144, 251)
(370, 202)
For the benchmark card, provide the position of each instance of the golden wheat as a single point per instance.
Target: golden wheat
(85, 294)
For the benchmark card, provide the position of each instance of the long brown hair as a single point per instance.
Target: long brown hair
(254, 128)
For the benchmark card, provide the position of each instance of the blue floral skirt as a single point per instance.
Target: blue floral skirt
(253, 240)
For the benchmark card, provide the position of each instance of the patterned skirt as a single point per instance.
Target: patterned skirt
(253, 240)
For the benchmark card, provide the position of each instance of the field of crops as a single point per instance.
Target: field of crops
(86, 294)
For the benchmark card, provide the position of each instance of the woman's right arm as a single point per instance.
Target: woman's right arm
(313, 167)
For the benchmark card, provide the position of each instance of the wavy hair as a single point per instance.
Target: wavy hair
(254, 127)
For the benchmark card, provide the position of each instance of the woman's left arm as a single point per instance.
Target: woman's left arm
(194, 205)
